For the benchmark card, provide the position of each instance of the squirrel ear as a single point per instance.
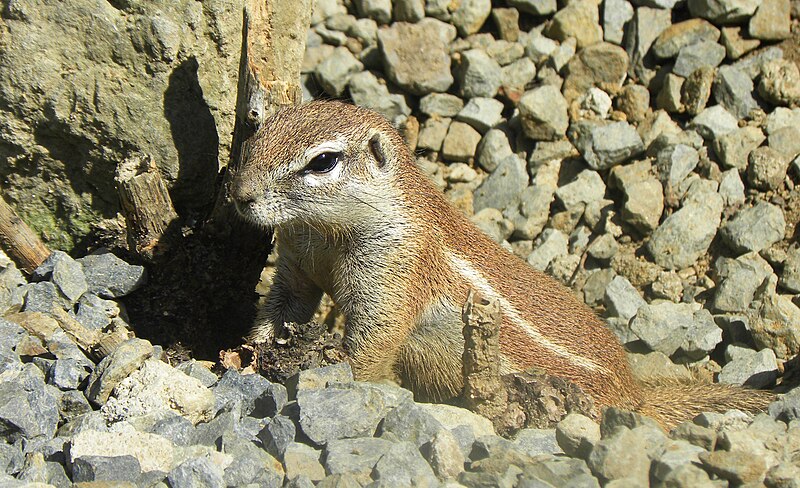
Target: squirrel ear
(380, 149)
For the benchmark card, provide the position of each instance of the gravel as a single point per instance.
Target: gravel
(620, 147)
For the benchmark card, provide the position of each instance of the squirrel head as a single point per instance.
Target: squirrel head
(322, 162)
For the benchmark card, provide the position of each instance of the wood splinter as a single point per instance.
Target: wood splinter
(19, 241)
(146, 204)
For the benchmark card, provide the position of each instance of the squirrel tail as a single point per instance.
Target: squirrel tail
(671, 402)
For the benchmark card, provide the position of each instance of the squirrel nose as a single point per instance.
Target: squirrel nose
(243, 194)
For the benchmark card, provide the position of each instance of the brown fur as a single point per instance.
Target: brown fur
(380, 239)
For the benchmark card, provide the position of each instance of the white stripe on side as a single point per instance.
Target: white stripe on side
(480, 284)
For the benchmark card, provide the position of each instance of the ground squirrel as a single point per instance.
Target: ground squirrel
(354, 217)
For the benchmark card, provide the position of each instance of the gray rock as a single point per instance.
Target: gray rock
(786, 141)
(601, 64)
(12, 286)
(605, 146)
(686, 235)
(702, 336)
(644, 204)
(677, 454)
(773, 325)
(44, 297)
(734, 147)
(579, 20)
(622, 299)
(302, 459)
(432, 133)
(557, 471)
(530, 216)
(713, 123)
(604, 247)
(587, 187)
(767, 168)
(507, 22)
(461, 142)
(481, 113)
(723, 11)
(662, 326)
(406, 47)
(503, 186)
(110, 277)
(681, 34)
(72, 404)
(403, 465)
(315, 378)
(278, 434)
(577, 435)
(738, 280)
(515, 77)
(201, 472)
(380, 10)
(733, 89)
(736, 44)
(100, 468)
(198, 371)
(66, 374)
(737, 467)
(754, 228)
(670, 97)
(412, 423)
(357, 411)
(259, 398)
(504, 52)
(557, 61)
(645, 27)
(11, 459)
(749, 368)
(441, 104)
(787, 407)
(535, 442)
(772, 21)
(367, 91)
(535, 7)
(543, 113)
(782, 117)
(731, 188)
(27, 408)
(696, 90)
(491, 221)
(780, 82)
(158, 387)
(621, 456)
(493, 148)
(469, 16)
(674, 163)
(634, 102)
(173, 427)
(790, 277)
(115, 367)
(550, 245)
(64, 272)
(408, 10)
(356, 457)
(444, 455)
(95, 312)
(616, 14)
(538, 47)
(249, 464)
(335, 72)
(698, 55)
(478, 75)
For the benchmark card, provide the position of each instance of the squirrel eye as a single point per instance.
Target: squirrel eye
(322, 163)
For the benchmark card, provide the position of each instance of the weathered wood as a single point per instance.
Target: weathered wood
(146, 204)
(484, 391)
(19, 241)
(273, 45)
